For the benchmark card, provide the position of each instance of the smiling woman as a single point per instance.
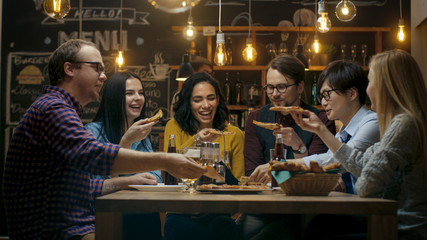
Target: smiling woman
(199, 108)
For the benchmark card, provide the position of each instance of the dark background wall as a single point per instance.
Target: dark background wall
(29, 36)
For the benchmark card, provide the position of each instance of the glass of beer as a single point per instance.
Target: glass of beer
(193, 153)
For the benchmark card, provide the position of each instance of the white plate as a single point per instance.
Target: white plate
(157, 188)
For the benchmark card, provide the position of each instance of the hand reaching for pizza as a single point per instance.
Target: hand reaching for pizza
(312, 123)
(205, 135)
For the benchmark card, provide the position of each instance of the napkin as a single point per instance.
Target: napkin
(229, 177)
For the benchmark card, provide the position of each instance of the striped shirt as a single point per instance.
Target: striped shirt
(48, 192)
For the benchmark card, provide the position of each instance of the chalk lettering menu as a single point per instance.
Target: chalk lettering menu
(25, 80)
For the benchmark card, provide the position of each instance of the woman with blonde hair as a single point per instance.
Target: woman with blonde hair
(394, 168)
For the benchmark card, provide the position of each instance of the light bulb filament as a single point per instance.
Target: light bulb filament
(323, 23)
(190, 32)
(120, 59)
(57, 6)
(316, 46)
(345, 10)
(401, 34)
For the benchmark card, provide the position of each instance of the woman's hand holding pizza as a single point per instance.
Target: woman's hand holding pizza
(312, 123)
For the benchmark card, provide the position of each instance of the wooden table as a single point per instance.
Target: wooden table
(382, 220)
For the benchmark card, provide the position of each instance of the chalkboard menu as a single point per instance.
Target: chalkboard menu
(24, 82)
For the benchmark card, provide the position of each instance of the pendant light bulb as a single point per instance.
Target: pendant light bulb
(401, 33)
(345, 10)
(189, 32)
(323, 24)
(56, 9)
(316, 43)
(249, 53)
(220, 57)
(120, 60)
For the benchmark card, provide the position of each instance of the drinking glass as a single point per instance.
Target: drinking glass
(364, 51)
(283, 48)
(343, 51)
(271, 50)
(353, 52)
(193, 153)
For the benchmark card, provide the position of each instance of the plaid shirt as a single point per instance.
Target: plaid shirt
(48, 192)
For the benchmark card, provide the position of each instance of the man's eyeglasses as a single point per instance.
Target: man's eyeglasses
(281, 88)
(99, 67)
(326, 94)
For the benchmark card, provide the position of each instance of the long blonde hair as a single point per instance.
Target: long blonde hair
(400, 87)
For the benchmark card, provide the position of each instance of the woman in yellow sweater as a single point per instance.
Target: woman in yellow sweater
(200, 107)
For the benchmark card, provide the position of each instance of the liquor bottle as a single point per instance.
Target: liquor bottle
(169, 179)
(229, 51)
(239, 87)
(314, 91)
(253, 95)
(279, 153)
(227, 89)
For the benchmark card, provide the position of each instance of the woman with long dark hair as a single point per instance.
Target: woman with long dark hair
(121, 120)
(199, 108)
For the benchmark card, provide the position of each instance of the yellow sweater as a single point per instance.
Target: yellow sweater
(233, 143)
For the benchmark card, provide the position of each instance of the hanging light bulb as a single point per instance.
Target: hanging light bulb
(220, 57)
(401, 33)
(120, 60)
(345, 10)
(189, 32)
(323, 24)
(57, 9)
(249, 53)
(316, 43)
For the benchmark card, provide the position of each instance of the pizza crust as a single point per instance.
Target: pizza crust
(212, 173)
(271, 126)
(156, 117)
(287, 109)
(214, 131)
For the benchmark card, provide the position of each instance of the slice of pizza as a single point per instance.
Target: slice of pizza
(287, 109)
(212, 173)
(214, 131)
(270, 126)
(156, 117)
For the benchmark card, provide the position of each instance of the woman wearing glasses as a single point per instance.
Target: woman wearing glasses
(342, 93)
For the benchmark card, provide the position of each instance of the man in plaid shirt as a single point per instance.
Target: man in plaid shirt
(48, 191)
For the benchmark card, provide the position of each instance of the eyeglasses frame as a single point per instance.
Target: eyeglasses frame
(328, 96)
(275, 87)
(97, 66)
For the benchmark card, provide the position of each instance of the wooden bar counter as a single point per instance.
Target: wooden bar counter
(382, 220)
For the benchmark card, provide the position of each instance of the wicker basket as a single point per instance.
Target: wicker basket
(310, 184)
